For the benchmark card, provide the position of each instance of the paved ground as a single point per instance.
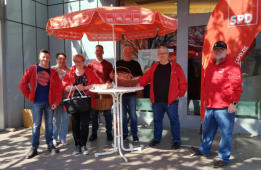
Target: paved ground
(14, 145)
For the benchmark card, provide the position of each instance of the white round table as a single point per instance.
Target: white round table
(117, 93)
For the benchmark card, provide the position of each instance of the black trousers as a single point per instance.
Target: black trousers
(80, 128)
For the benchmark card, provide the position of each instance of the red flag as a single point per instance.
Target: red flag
(236, 22)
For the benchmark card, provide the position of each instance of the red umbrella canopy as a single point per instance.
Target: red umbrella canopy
(99, 24)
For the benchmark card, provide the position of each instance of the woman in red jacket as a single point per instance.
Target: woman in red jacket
(167, 85)
(80, 77)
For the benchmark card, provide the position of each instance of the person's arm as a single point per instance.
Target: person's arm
(23, 84)
(110, 71)
(183, 85)
(66, 85)
(59, 91)
(236, 83)
(146, 78)
(235, 80)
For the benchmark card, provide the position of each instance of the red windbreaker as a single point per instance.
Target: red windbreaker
(178, 84)
(55, 91)
(69, 80)
(223, 84)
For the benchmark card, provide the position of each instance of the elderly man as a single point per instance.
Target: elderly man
(167, 85)
(126, 64)
(223, 88)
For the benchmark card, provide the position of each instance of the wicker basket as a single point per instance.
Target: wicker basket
(103, 102)
(140, 94)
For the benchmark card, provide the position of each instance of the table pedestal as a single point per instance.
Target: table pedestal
(118, 144)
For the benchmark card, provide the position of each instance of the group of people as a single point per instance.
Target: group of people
(46, 86)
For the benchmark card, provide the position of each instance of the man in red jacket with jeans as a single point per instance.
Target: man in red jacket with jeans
(167, 85)
(42, 86)
(223, 88)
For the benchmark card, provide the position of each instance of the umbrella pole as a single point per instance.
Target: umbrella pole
(114, 55)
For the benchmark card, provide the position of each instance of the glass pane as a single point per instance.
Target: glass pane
(86, 4)
(249, 104)
(29, 46)
(71, 7)
(14, 100)
(43, 1)
(28, 12)
(195, 42)
(13, 10)
(41, 15)
(52, 2)
(202, 6)
(167, 7)
(42, 40)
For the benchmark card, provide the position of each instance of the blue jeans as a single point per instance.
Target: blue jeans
(129, 105)
(215, 118)
(158, 114)
(60, 115)
(38, 110)
(108, 121)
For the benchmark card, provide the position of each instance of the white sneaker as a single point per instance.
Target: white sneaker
(54, 142)
(84, 150)
(64, 143)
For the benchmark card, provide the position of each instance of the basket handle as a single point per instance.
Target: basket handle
(73, 92)
(124, 68)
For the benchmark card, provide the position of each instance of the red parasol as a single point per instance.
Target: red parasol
(110, 24)
(100, 23)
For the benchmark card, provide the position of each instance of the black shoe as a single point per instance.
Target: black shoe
(53, 148)
(84, 150)
(135, 139)
(175, 145)
(125, 138)
(219, 164)
(93, 137)
(32, 153)
(154, 143)
(109, 137)
(196, 152)
(77, 150)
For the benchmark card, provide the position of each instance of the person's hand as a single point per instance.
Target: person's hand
(232, 108)
(112, 76)
(54, 106)
(80, 87)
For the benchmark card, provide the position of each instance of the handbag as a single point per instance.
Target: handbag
(77, 104)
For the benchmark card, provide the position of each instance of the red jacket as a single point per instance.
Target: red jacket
(55, 91)
(178, 84)
(69, 80)
(222, 84)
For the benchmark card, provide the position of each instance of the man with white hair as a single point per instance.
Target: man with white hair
(167, 85)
